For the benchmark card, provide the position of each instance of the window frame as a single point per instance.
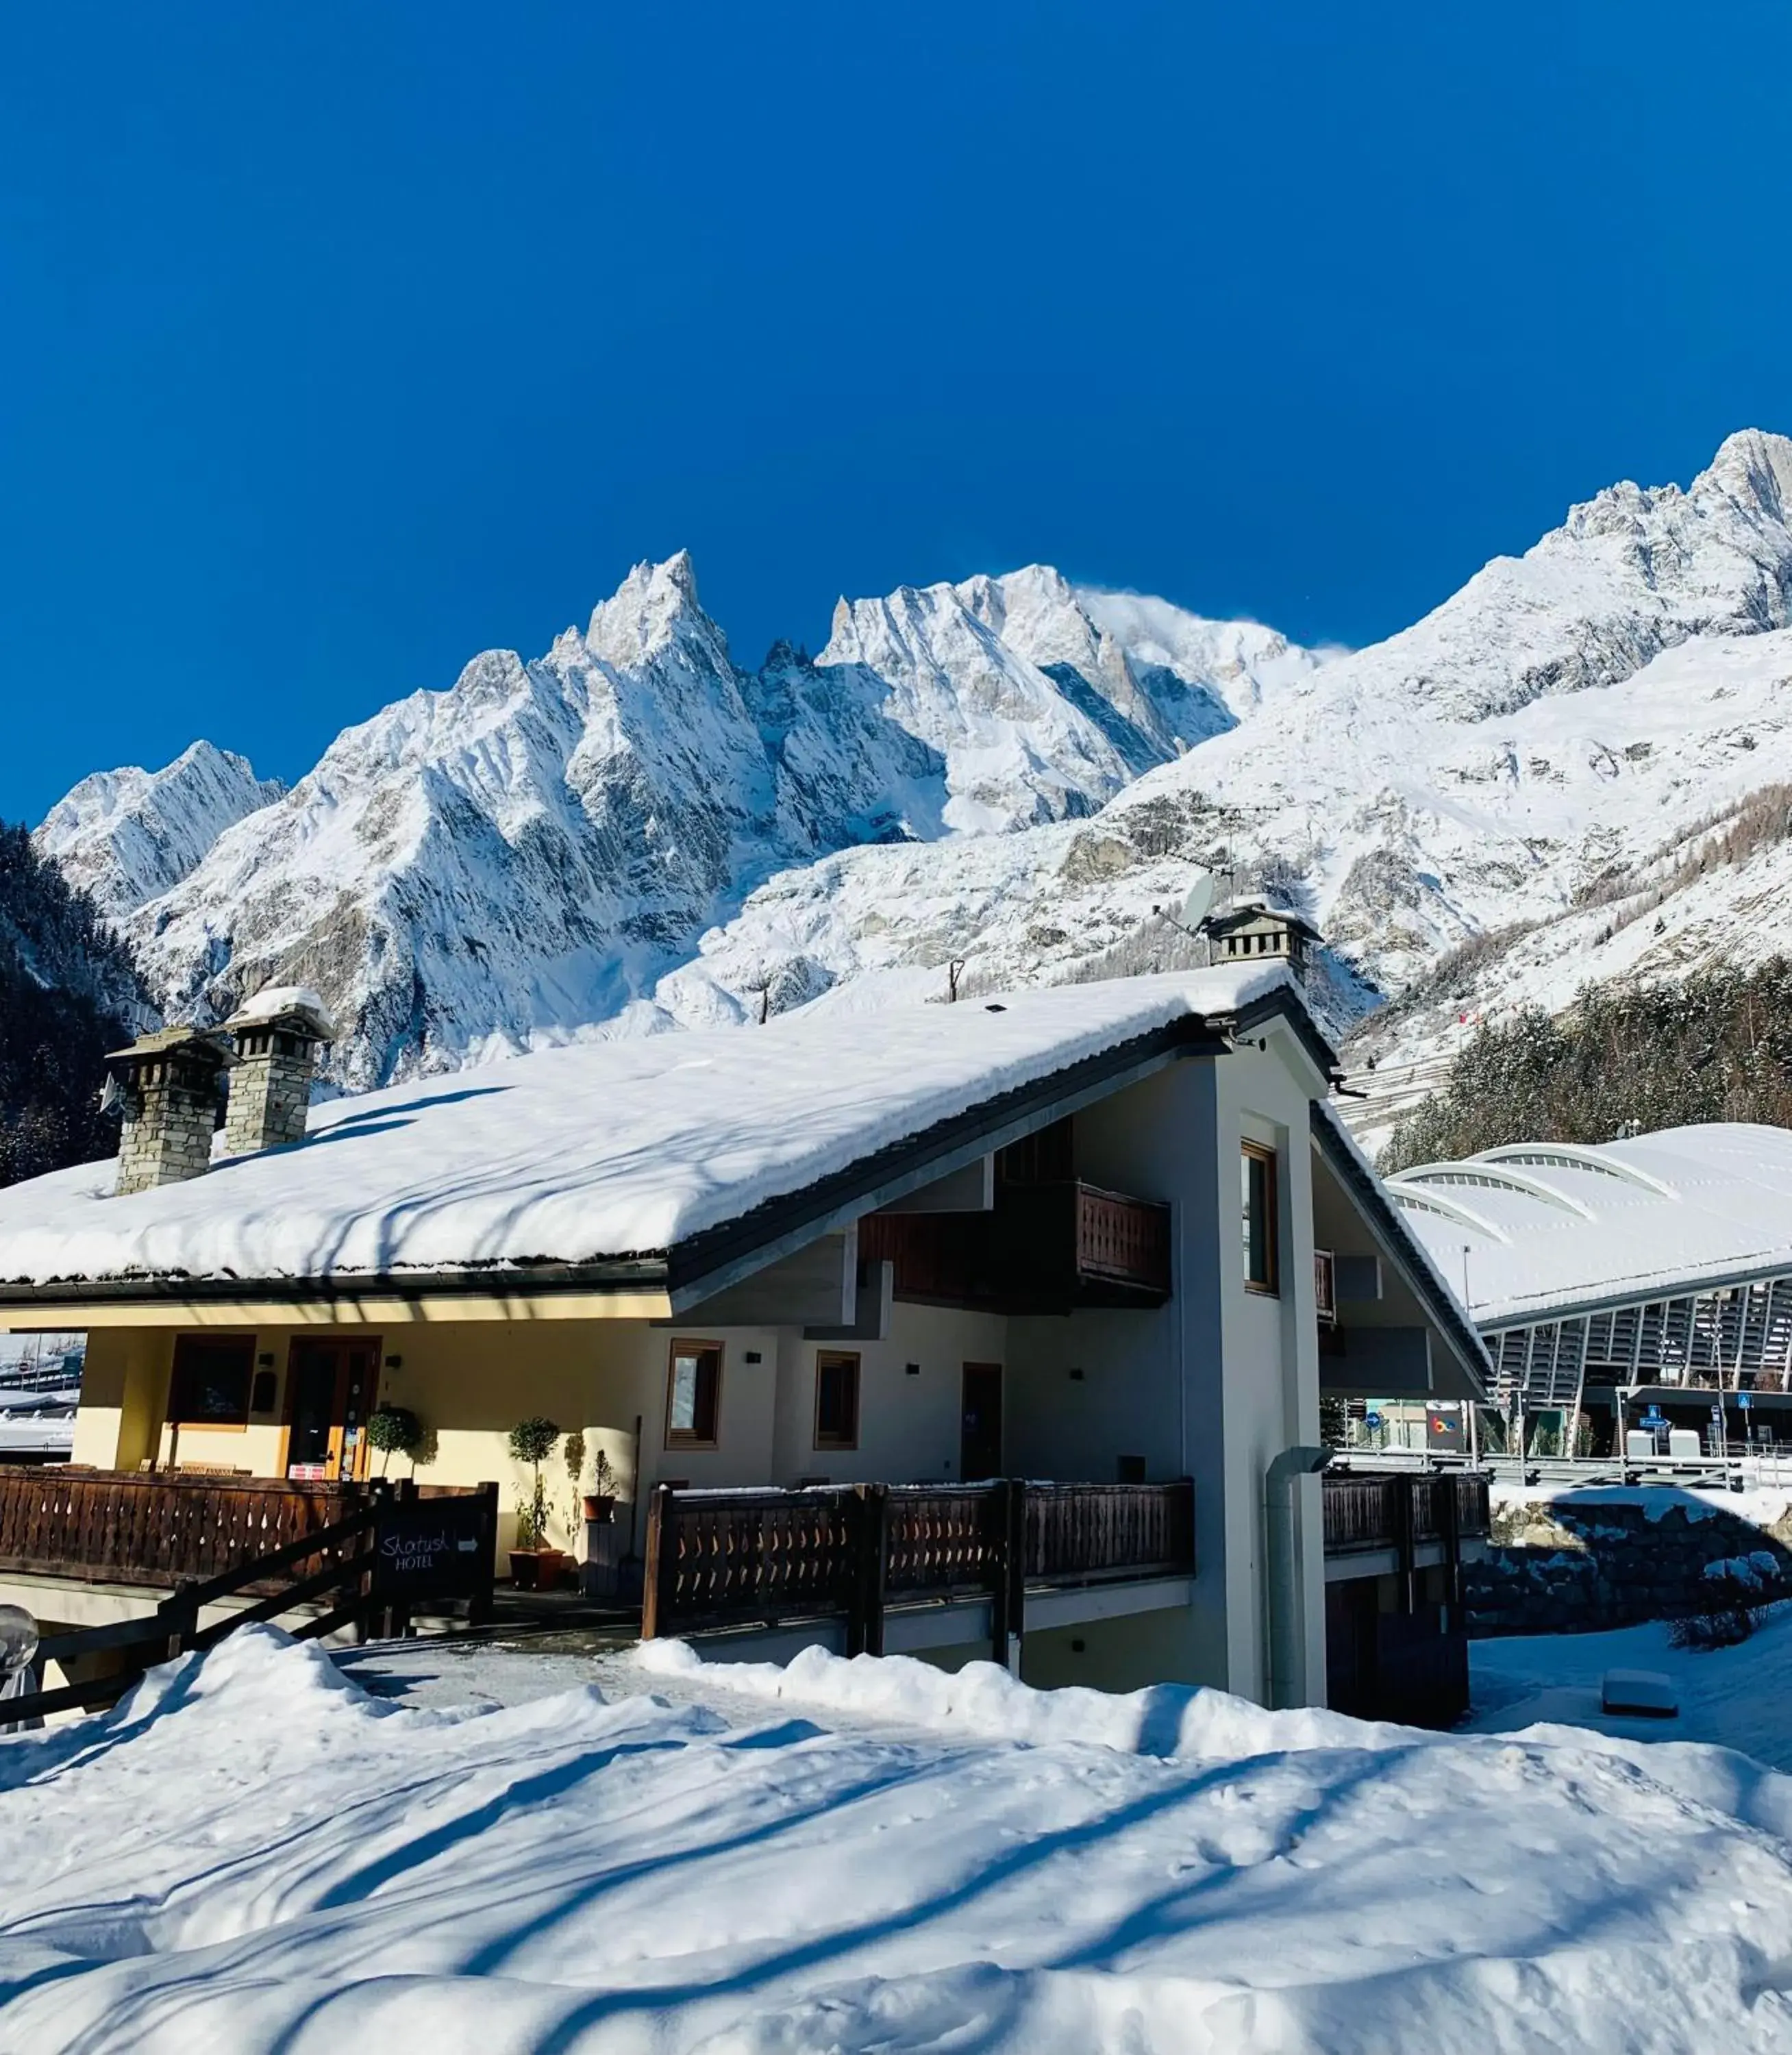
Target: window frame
(182, 1374)
(1268, 1285)
(694, 1438)
(842, 1358)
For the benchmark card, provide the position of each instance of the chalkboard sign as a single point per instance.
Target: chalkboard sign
(433, 1549)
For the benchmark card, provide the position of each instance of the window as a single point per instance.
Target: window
(209, 1386)
(692, 1394)
(1257, 1169)
(836, 1400)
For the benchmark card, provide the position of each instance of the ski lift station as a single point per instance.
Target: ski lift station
(1656, 1270)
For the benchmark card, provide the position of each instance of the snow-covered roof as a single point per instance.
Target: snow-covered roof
(597, 1151)
(1551, 1227)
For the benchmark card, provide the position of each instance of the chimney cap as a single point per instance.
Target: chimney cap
(200, 1041)
(295, 1008)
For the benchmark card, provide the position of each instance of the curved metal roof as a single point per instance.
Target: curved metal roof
(1549, 1227)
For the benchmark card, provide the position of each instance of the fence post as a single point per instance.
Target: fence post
(182, 1616)
(1009, 1654)
(660, 1585)
(1450, 1534)
(478, 1605)
(1402, 1489)
(868, 1516)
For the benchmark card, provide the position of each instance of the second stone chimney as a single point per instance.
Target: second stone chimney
(167, 1086)
(278, 1034)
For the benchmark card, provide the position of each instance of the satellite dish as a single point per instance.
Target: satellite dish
(1196, 907)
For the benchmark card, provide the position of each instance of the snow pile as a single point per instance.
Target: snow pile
(1757, 1571)
(272, 1000)
(250, 1854)
(983, 1699)
(609, 1149)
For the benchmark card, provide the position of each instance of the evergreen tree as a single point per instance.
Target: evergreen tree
(68, 993)
(1625, 1059)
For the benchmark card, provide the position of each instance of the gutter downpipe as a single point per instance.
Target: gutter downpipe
(1281, 1508)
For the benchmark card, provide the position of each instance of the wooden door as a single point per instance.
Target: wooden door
(330, 1390)
(979, 1443)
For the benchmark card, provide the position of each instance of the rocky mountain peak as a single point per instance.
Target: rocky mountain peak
(654, 606)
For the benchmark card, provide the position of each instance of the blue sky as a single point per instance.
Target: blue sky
(342, 342)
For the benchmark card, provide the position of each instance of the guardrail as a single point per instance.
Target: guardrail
(718, 1559)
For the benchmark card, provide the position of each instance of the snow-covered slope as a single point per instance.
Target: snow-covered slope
(632, 833)
(126, 837)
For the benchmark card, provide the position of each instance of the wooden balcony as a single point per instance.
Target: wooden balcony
(748, 1559)
(1372, 1510)
(1046, 1248)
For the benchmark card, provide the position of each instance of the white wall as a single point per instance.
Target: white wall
(908, 1427)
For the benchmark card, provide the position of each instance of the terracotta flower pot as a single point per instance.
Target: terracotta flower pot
(600, 1507)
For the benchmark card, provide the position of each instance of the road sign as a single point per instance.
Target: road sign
(1743, 1400)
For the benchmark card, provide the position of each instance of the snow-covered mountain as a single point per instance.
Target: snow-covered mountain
(631, 833)
(1532, 741)
(525, 855)
(126, 837)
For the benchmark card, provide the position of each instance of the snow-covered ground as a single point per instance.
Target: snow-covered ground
(1732, 1697)
(254, 1853)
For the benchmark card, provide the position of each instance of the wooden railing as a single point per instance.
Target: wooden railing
(121, 1526)
(1046, 1248)
(758, 1558)
(1378, 1510)
(1399, 1511)
(393, 1550)
(1082, 1533)
(1123, 1240)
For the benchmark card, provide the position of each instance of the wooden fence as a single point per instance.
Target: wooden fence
(392, 1544)
(847, 1552)
(121, 1526)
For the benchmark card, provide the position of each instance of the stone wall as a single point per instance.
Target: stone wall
(1582, 1562)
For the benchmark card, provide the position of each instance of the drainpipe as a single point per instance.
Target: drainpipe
(1281, 1518)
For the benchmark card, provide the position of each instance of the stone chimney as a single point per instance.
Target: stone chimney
(167, 1084)
(277, 1036)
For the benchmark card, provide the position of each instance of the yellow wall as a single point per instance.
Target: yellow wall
(469, 1384)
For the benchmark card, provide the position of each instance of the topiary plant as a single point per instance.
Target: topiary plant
(573, 1453)
(531, 1441)
(394, 1431)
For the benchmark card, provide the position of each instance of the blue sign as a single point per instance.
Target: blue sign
(1655, 1417)
(1742, 1400)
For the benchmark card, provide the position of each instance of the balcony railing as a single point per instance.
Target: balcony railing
(166, 1532)
(1045, 1247)
(122, 1527)
(1373, 1510)
(719, 1559)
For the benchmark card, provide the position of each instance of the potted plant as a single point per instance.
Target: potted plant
(600, 1500)
(533, 1564)
(394, 1431)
